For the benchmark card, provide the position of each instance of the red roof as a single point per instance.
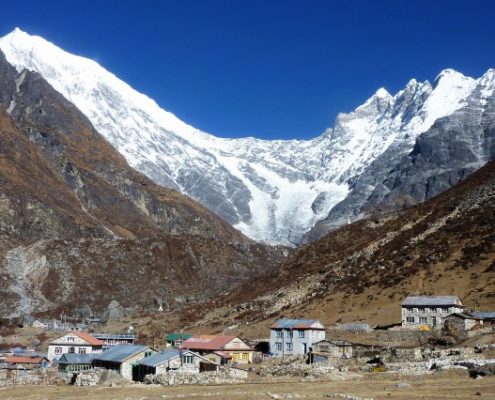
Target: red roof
(222, 354)
(88, 338)
(208, 342)
(24, 360)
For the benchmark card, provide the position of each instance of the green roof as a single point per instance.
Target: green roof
(172, 337)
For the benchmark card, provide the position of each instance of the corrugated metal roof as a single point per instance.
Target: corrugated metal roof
(285, 323)
(355, 327)
(163, 356)
(172, 337)
(208, 342)
(24, 360)
(464, 315)
(88, 338)
(120, 352)
(484, 314)
(73, 358)
(431, 301)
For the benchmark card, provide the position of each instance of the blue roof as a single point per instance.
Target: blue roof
(285, 323)
(121, 352)
(73, 358)
(163, 356)
(484, 314)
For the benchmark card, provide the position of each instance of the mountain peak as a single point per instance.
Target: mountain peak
(382, 92)
(450, 75)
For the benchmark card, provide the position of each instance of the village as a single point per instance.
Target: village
(436, 333)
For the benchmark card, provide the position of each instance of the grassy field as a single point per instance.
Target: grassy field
(452, 385)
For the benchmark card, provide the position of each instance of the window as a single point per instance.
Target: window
(423, 320)
(58, 350)
(82, 350)
(72, 350)
(288, 333)
(433, 321)
(70, 338)
(288, 346)
(278, 334)
(148, 353)
(188, 360)
(278, 346)
(301, 334)
(324, 348)
(421, 309)
(410, 320)
(245, 356)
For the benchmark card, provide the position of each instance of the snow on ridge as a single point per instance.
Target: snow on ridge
(287, 185)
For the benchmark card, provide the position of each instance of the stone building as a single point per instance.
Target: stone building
(123, 359)
(460, 323)
(174, 360)
(295, 336)
(334, 348)
(429, 311)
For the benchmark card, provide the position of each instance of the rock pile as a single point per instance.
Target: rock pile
(99, 376)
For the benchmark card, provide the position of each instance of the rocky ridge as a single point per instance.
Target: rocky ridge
(79, 226)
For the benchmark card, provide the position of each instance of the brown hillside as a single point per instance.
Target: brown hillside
(79, 227)
(362, 271)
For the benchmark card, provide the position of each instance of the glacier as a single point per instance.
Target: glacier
(274, 191)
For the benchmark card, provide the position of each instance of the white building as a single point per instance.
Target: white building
(295, 336)
(77, 342)
(429, 310)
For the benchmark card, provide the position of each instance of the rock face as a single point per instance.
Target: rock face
(454, 147)
(80, 227)
(391, 152)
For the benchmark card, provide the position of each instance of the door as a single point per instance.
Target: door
(304, 348)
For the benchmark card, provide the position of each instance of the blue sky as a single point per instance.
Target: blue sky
(269, 69)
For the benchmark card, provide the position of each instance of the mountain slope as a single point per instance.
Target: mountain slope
(362, 271)
(273, 191)
(79, 226)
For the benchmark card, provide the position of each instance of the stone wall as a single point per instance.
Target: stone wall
(222, 376)
(30, 377)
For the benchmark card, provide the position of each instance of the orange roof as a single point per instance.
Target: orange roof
(208, 342)
(24, 360)
(88, 338)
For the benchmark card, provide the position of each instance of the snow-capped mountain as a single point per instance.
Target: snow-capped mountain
(273, 191)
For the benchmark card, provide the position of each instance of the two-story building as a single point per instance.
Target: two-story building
(233, 346)
(74, 342)
(295, 336)
(429, 310)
